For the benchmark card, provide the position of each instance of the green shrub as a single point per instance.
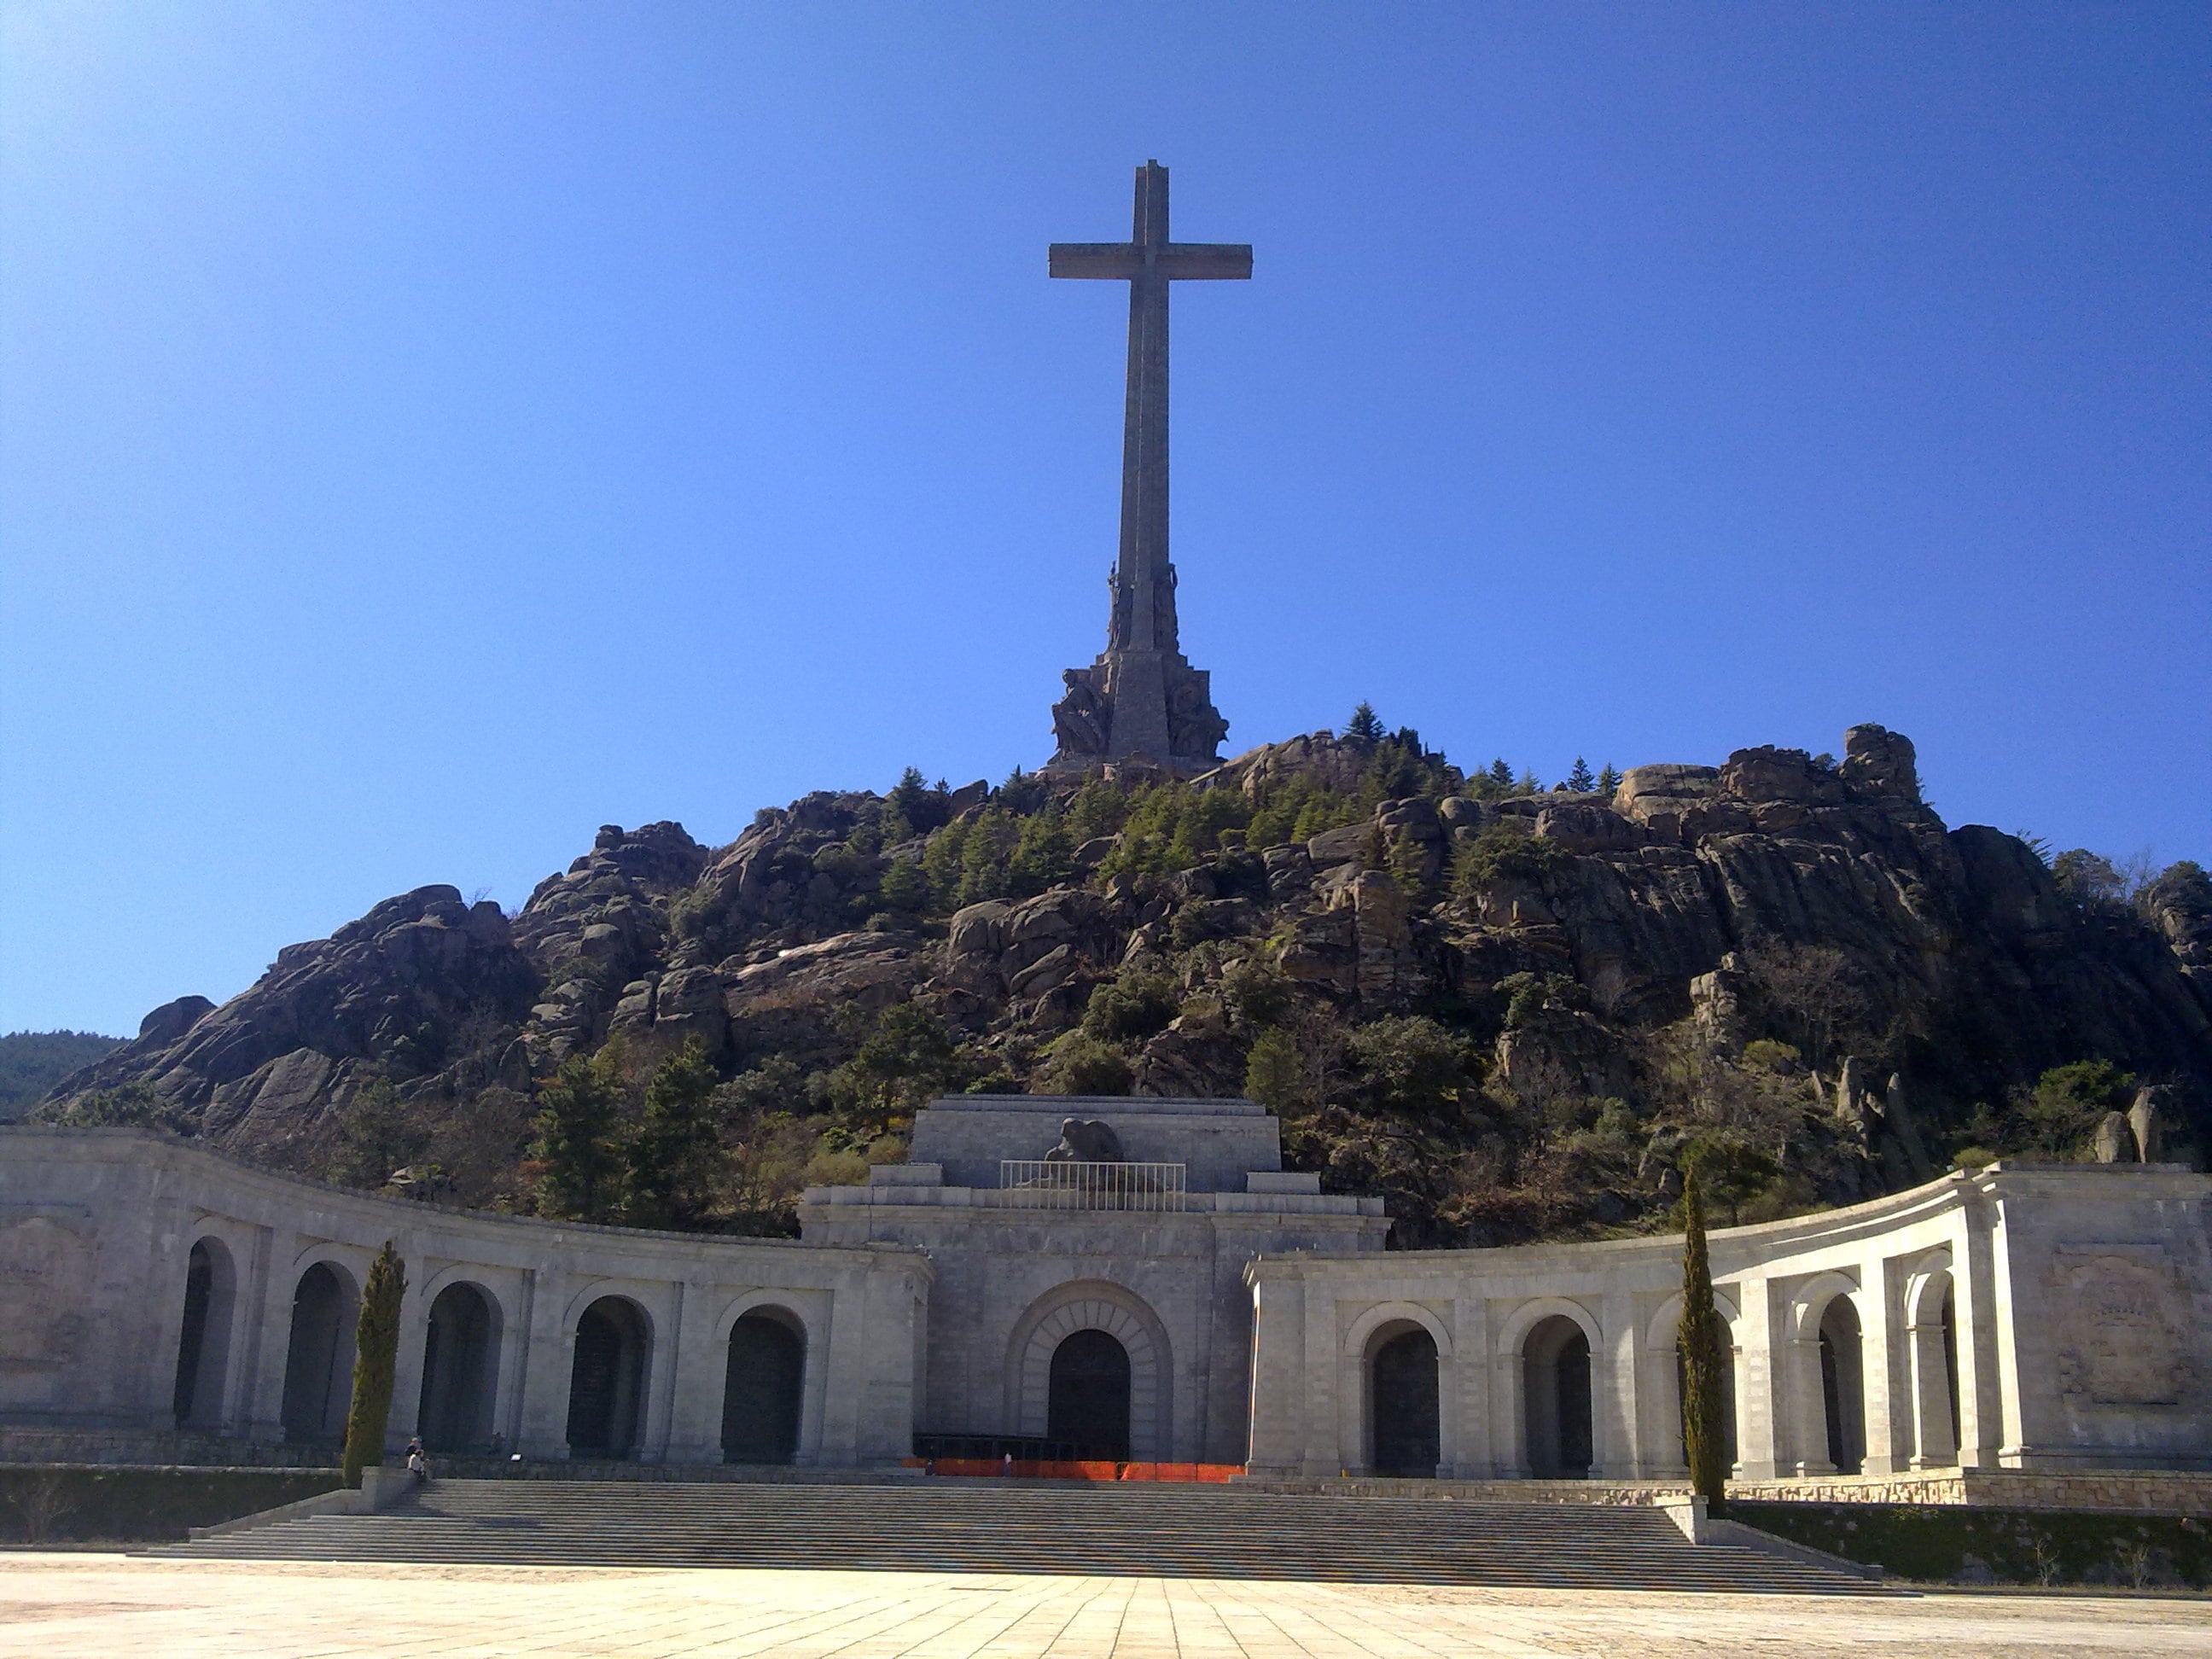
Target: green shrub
(1132, 1007)
(1082, 1064)
(1503, 852)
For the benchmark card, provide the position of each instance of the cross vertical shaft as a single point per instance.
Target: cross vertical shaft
(1144, 548)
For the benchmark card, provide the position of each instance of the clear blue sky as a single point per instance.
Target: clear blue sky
(430, 431)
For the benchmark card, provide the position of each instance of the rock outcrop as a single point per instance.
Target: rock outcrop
(1602, 918)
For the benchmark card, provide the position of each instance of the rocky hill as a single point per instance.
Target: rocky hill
(1511, 1010)
(31, 1062)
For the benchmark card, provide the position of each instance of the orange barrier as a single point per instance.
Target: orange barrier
(1213, 1473)
(1029, 1469)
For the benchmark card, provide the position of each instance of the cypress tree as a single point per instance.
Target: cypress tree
(1703, 1341)
(375, 1349)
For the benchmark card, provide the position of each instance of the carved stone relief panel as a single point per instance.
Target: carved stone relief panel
(2125, 1331)
(46, 1285)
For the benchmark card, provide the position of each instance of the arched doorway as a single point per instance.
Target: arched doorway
(1087, 1408)
(1555, 1393)
(606, 1382)
(762, 1388)
(1404, 1426)
(204, 1344)
(1843, 1393)
(319, 1360)
(461, 1369)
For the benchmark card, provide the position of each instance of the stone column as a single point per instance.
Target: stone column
(1973, 1291)
(653, 1433)
(543, 1433)
(263, 1408)
(1659, 1445)
(1508, 1420)
(1325, 1452)
(1934, 1441)
(414, 1341)
(1882, 1362)
(1275, 1440)
(1806, 1449)
(1475, 1457)
(1761, 1407)
(511, 1403)
(1448, 1435)
(1618, 1454)
(240, 1415)
(694, 1415)
(164, 1322)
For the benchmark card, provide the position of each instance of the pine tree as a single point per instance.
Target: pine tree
(575, 1157)
(1528, 783)
(375, 1351)
(1703, 1341)
(1579, 780)
(677, 1152)
(1043, 854)
(1501, 775)
(1608, 781)
(1364, 726)
(1408, 865)
(1272, 1071)
(904, 887)
(1375, 851)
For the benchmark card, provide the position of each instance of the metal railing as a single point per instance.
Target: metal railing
(1038, 1184)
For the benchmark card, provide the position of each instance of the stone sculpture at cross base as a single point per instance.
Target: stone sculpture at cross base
(1141, 700)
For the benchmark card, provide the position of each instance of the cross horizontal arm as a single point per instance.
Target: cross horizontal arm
(1206, 261)
(1180, 262)
(1105, 261)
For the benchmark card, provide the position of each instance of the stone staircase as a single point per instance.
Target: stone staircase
(947, 1526)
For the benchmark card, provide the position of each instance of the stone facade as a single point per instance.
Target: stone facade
(1016, 1274)
(2009, 1325)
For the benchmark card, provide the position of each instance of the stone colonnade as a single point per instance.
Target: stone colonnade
(224, 1299)
(1952, 1325)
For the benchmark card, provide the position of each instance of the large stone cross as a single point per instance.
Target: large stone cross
(1141, 696)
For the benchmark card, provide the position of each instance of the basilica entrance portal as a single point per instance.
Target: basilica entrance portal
(1088, 1406)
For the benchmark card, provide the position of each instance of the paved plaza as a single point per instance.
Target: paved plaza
(97, 1607)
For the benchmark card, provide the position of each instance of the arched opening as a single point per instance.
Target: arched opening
(319, 1360)
(1555, 1392)
(203, 1344)
(1951, 1367)
(606, 1382)
(460, 1368)
(1404, 1427)
(1933, 1350)
(1087, 1399)
(762, 1388)
(1843, 1395)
